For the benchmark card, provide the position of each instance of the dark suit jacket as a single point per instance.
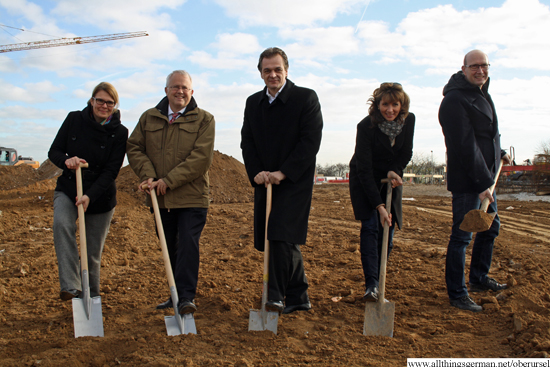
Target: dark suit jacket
(374, 157)
(469, 122)
(284, 135)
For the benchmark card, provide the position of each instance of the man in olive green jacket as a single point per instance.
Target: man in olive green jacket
(171, 150)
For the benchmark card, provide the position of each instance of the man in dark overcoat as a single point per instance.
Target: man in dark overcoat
(281, 135)
(468, 118)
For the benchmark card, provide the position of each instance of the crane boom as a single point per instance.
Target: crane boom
(69, 41)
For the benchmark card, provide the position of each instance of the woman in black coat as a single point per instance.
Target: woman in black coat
(383, 149)
(95, 136)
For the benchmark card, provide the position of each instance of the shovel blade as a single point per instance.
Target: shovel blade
(257, 321)
(477, 221)
(379, 318)
(87, 324)
(173, 327)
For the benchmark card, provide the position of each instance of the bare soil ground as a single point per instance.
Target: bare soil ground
(36, 327)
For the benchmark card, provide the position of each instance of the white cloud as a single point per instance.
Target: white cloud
(118, 14)
(233, 52)
(286, 12)
(29, 113)
(320, 43)
(30, 93)
(110, 57)
(516, 33)
(237, 43)
(207, 61)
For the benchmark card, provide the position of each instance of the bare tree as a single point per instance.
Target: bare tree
(420, 164)
(542, 155)
(333, 170)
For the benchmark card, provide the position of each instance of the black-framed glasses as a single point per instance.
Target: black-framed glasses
(474, 67)
(101, 102)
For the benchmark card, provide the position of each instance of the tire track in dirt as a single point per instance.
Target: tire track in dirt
(514, 224)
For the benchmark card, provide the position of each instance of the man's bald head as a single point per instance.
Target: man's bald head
(473, 53)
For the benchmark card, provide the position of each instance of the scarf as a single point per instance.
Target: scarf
(391, 128)
(107, 120)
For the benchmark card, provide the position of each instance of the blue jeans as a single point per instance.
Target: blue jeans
(482, 251)
(371, 247)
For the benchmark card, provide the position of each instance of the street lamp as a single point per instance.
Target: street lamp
(433, 167)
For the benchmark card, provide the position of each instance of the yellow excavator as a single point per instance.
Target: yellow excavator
(9, 157)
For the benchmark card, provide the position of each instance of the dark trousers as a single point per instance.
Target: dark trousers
(183, 228)
(287, 277)
(482, 251)
(371, 247)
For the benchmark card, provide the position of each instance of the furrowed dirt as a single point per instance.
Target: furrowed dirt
(36, 327)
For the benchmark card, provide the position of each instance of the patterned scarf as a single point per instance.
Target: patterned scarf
(391, 128)
(107, 120)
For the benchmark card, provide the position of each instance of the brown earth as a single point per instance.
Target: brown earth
(36, 327)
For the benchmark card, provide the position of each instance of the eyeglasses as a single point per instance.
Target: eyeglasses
(474, 67)
(101, 102)
(177, 88)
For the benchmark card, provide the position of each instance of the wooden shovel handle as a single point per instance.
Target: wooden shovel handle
(81, 220)
(266, 246)
(485, 203)
(385, 238)
(162, 237)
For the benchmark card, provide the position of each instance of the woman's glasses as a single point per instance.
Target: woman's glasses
(101, 102)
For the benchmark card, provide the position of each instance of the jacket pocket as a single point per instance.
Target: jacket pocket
(188, 133)
(154, 137)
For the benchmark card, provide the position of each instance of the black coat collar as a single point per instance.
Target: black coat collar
(283, 96)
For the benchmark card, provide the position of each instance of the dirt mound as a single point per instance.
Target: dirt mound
(228, 181)
(13, 177)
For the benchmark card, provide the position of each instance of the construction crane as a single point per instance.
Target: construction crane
(69, 41)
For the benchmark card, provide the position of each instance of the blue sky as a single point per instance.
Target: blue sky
(343, 49)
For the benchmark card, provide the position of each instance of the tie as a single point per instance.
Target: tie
(175, 115)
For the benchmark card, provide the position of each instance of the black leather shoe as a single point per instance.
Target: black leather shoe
(274, 306)
(186, 306)
(371, 295)
(301, 307)
(69, 294)
(165, 304)
(466, 303)
(488, 284)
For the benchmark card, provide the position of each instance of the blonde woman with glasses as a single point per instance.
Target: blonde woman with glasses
(95, 136)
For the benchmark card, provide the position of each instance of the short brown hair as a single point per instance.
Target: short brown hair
(109, 89)
(393, 92)
(271, 52)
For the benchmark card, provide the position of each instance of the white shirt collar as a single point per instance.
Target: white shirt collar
(272, 98)
(170, 112)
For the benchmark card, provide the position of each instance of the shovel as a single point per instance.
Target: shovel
(260, 320)
(478, 220)
(175, 325)
(87, 316)
(379, 315)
